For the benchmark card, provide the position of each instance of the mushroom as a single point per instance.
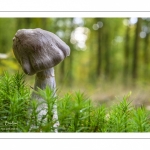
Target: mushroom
(38, 51)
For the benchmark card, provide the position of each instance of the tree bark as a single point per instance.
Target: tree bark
(135, 50)
(106, 55)
(146, 56)
(99, 52)
(126, 55)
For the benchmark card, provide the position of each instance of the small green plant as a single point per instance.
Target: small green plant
(14, 102)
(76, 112)
(98, 120)
(140, 120)
(119, 116)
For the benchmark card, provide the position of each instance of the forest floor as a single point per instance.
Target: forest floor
(110, 94)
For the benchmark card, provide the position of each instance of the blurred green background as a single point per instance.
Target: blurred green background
(109, 56)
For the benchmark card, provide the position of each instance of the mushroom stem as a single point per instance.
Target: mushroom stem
(43, 79)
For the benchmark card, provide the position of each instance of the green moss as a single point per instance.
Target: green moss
(76, 112)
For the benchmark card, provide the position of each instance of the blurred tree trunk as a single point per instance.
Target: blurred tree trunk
(126, 55)
(99, 50)
(18, 23)
(135, 50)
(146, 56)
(106, 54)
(44, 23)
(92, 75)
(27, 22)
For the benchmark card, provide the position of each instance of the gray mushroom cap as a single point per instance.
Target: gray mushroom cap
(37, 50)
